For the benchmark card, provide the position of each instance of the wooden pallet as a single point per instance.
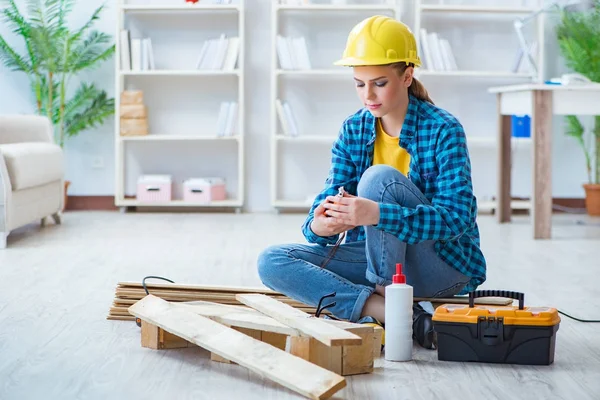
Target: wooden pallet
(244, 348)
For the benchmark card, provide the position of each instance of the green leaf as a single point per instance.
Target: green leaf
(88, 53)
(91, 115)
(13, 60)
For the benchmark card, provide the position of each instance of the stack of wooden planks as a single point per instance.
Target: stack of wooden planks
(128, 293)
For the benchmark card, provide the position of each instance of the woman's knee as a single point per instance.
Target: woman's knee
(269, 263)
(375, 178)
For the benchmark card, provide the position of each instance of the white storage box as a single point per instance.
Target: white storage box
(154, 188)
(204, 190)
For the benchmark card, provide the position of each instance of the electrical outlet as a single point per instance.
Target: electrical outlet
(98, 162)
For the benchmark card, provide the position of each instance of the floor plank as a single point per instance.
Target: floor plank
(58, 284)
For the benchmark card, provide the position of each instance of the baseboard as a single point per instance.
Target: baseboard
(107, 203)
(96, 203)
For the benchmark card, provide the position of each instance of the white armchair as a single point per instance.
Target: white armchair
(31, 173)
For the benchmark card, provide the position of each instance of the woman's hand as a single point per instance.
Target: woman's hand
(352, 210)
(323, 225)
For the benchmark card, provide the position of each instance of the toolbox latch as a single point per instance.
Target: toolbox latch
(490, 330)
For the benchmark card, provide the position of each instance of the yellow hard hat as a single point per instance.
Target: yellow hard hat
(380, 40)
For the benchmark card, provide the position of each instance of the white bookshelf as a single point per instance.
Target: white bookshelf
(465, 8)
(182, 99)
(321, 97)
(484, 44)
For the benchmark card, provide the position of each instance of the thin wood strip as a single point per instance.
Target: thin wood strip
(191, 295)
(212, 288)
(322, 331)
(120, 318)
(292, 372)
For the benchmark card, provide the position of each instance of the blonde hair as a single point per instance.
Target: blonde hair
(416, 88)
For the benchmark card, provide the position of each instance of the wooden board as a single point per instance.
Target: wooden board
(156, 338)
(203, 288)
(315, 327)
(233, 316)
(292, 372)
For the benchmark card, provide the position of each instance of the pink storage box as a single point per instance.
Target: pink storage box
(154, 188)
(204, 190)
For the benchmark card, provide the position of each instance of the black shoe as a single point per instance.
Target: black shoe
(422, 326)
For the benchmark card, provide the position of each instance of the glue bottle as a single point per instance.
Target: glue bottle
(398, 318)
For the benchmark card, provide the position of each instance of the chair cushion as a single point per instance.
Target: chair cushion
(32, 164)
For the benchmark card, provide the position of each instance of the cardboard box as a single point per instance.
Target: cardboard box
(133, 111)
(132, 97)
(134, 127)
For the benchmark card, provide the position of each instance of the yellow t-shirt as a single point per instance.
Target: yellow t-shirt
(388, 151)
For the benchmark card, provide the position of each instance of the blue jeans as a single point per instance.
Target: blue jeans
(295, 269)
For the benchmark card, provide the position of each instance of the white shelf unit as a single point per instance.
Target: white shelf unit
(321, 97)
(485, 45)
(183, 102)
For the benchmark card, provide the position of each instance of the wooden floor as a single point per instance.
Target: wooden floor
(57, 283)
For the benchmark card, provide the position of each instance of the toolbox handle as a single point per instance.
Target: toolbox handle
(497, 293)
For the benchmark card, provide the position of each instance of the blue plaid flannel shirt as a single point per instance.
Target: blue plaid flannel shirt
(439, 167)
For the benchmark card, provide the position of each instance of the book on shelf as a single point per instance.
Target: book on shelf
(286, 118)
(295, 2)
(292, 53)
(436, 52)
(219, 53)
(137, 54)
(227, 120)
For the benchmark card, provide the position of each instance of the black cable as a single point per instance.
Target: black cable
(155, 277)
(579, 319)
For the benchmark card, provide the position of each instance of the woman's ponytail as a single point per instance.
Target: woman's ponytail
(416, 88)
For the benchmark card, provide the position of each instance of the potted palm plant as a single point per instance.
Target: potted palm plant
(54, 55)
(578, 36)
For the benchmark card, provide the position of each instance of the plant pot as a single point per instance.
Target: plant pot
(67, 183)
(592, 199)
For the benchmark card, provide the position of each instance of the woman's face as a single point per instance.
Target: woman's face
(381, 88)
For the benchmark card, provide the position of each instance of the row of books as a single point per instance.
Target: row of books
(136, 53)
(436, 52)
(219, 53)
(292, 52)
(286, 118)
(227, 120)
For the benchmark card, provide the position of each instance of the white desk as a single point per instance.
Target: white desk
(541, 102)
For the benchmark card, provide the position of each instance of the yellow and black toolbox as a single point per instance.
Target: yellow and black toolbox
(496, 334)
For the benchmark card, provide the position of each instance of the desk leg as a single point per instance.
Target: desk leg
(542, 164)
(504, 165)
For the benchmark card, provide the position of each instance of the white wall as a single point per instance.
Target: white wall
(98, 145)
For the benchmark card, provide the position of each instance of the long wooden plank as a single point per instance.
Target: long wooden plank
(209, 288)
(244, 317)
(292, 372)
(232, 316)
(322, 331)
